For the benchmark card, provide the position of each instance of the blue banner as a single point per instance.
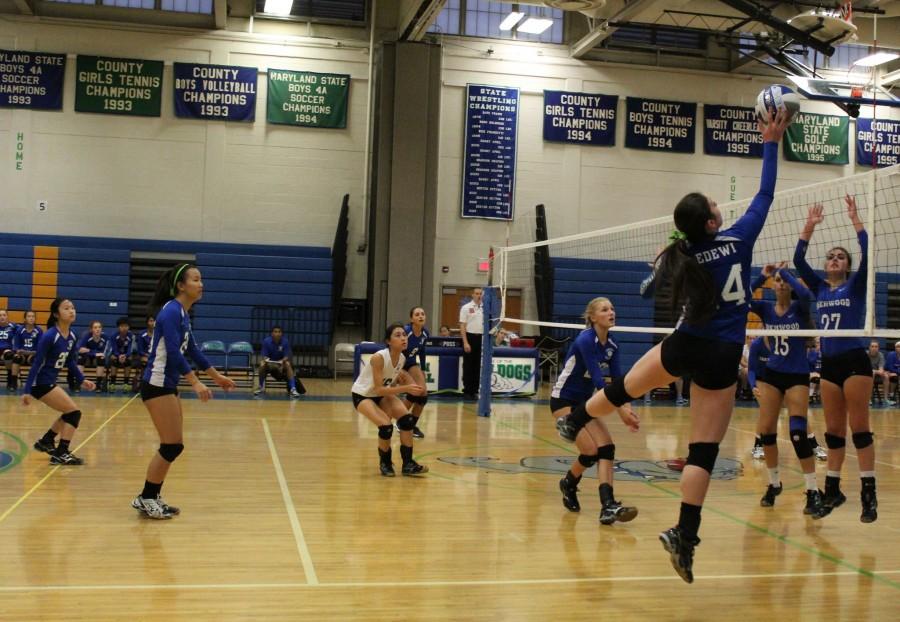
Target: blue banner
(881, 137)
(215, 92)
(731, 131)
(489, 160)
(31, 80)
(660, 125)
(581, 118)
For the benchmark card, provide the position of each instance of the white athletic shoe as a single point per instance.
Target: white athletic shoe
(758, 453)
(151, 508)
(821, 454)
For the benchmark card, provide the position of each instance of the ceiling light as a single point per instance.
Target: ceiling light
(535, 25)
(511, 20)
(278, 7)
(878, 58)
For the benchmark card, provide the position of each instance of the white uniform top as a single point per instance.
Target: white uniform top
(364, 385)
(473, 316)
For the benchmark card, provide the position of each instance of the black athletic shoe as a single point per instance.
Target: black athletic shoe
(567, 430)
(387, 469)
(833, 499)
(768, 499)
(615, 511)
(66, 459)
(417, 433)
(814, 505)
(681, 551)
(869, 505)
(413, 468)
(41, 445)
(168, 509)
(570, 496)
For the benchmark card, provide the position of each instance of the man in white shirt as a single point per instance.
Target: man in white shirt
(471, 327)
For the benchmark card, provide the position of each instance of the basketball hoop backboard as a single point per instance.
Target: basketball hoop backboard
(850, 95)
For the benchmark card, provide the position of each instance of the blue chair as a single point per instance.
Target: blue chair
(240, 349)
(215, 352)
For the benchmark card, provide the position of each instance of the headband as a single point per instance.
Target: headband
(175, 278)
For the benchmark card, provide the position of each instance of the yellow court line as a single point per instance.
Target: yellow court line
(57, 467)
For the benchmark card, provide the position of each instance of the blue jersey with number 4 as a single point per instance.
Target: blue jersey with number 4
(727, 258)
(53, 353)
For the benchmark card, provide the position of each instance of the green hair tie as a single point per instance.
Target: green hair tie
(676, 235)
(175, 278)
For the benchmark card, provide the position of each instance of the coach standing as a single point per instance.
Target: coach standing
(471, 324)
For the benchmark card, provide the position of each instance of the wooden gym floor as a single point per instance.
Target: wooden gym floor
(284, 516)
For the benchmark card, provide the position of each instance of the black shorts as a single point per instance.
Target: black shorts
(91, 358)
(40, 390)
(783, 381)
(151, 391)
(853, 362)
(712, 365)
(560, 402)
(358, 399)
(410, 363)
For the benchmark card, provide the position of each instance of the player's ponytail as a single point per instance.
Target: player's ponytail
(167, 286)
(693, 288)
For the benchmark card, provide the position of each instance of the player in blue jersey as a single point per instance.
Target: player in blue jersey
(55, 350)
(416, 334)
(785, 382)
(757, 357)
(846, 382)
(92, 351)
(276, 360)
(176, 292)
(142, 345)
(121, 347)
(892, 367)
(710, 273)
(7, 348)
(592, 356)
(25, 345)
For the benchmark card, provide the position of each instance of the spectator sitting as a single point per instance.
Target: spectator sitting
(892, 367)
(276, 360)
(444, 331)
(879, 375)
(143, 344)
(814, 358)
(120, 354)
(92, 351)
(7, 349)
(504, 337)
(25, 346)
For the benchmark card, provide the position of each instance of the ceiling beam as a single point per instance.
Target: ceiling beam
(416, 21)
(220, 9)
(764, 16)
(604, 29)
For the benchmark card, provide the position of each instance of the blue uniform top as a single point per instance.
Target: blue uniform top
(27, 340)
(122, 344)
(273, 351)
(415, 347)
(892, 363)
(7, 334)
(727, 258)
(586, 363)
(172, 338)
(840, 307)
(788, 354)
(53, 353)
(143, 343)
(757, 359)
(814, 360)
(94, 346)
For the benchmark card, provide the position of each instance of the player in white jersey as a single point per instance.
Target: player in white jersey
(375, 396)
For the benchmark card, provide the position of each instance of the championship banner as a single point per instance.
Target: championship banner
(215, 92)
(489, 157)
(660, 125)
(881, 137)
(731, 131)
(307, 99)
(31, 80)
(580, 118)
(819, 138)
(118, 86)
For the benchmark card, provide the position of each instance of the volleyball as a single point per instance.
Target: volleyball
(774, 97)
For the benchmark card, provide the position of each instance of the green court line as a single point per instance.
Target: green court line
(784, 539)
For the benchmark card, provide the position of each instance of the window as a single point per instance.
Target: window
(131, 4)
(341, 10)
(447, 21)
(481, 18)
(185, 6)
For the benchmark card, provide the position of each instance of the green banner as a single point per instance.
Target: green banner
(118, 86)
(308, 99)
(821, 138)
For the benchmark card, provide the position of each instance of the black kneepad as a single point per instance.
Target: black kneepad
(18, 359)
(802, 446)
(834, 442)
(417, 399)
(861, 440)
(703, 455)
(616, 394)
(170, 451)
(72, 418)
(587, 461)
(8, 355)
(385, 432)
(768, 440)
(606, 452)
(406, 423)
